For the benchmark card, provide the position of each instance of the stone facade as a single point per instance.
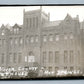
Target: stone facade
(53, 45)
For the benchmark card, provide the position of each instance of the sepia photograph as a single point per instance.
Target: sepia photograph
(41, 42)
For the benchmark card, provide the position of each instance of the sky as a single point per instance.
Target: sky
(14, 14)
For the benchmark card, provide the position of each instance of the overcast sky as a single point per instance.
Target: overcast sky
(11, 15)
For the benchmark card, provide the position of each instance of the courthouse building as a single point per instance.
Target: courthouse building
(54, 45)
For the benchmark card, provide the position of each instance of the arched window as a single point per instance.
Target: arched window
(31, 57)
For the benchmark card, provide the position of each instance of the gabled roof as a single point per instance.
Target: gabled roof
(16, 26)
(68, 16)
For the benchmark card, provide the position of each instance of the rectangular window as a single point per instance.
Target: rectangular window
(36, 38)
(50, 69)
(50, 37)
(65, 57)
(36, 21)
(20, 41)
(19, 58)
(27, 39)
(10, 58)
(30, 22)
(71, 56)
(78, 61)
(44, 38)
(50, 57)
(15, 41)
(2, 58)
(15, 58)
(11, 41)
(71, 68)
(44, 57)
(57, 57)
(0, 42)
(25, 58)
(3, 42)
(65, 68)
(56, 70)
(57, 37)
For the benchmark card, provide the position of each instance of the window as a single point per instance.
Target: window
(27, 39)
(36, 38)
(78, 57)
(56, 69)
(50, 69)
(21, 41)
(3, 32)
(44, 38)
(16, 41)
(15, 58)
(2, 58)
(65, 36)
(10, 58)
(31, 57)
(31, 39)
(19, 58)
(30, 22)
(0, 42)
(11, 41)
(25, 58)
(57, 37)
(36, 21)
(71, 36)
(50, 57)
(15, 30)
(71, 68)
(50, 37)
(65, 68)
(44, 57)
(65, 57)
(71, 56)
(57, 57)
(3, 42)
